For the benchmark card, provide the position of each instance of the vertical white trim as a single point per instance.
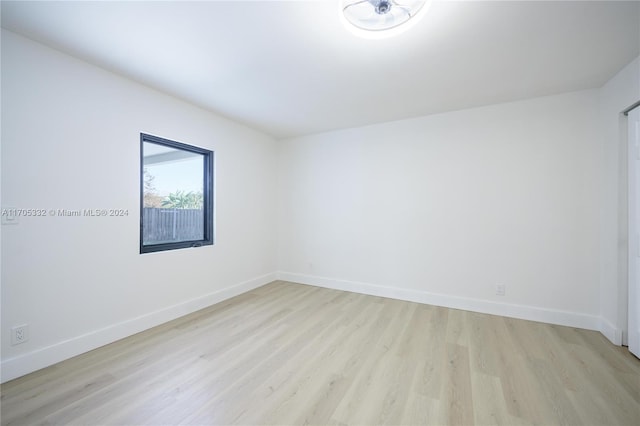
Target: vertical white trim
(634, 231)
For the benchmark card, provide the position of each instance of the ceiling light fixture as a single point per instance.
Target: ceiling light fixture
(381, 18)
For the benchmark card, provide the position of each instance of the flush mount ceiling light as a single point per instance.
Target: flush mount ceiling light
(381, 18)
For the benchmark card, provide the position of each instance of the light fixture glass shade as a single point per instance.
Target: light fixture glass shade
(380, 15)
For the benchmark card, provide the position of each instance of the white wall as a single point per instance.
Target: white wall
(70, 140)
(441, 209)
(619, 93)
(437, 209)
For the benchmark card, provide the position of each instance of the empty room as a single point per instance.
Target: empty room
(341, 212)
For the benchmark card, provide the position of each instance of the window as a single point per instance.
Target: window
(176, 195)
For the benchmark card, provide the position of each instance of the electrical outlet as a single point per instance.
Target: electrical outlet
(19, 334)
(501, 289)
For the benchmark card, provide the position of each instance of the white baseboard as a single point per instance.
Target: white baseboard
(44, 357)
(611, 332)
(532, 313)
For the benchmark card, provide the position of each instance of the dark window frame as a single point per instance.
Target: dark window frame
(207, 195)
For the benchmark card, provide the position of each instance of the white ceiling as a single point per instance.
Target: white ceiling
(290, 67)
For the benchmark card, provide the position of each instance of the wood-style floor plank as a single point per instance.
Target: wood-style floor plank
(287, 353)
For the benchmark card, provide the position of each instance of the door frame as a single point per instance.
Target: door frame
(633, 227)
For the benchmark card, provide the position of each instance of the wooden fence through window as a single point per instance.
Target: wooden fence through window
(172, 225)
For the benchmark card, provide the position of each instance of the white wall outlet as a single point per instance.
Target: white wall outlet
(19, 334)
(501, 289)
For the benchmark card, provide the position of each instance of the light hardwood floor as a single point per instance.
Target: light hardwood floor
(294, 354)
